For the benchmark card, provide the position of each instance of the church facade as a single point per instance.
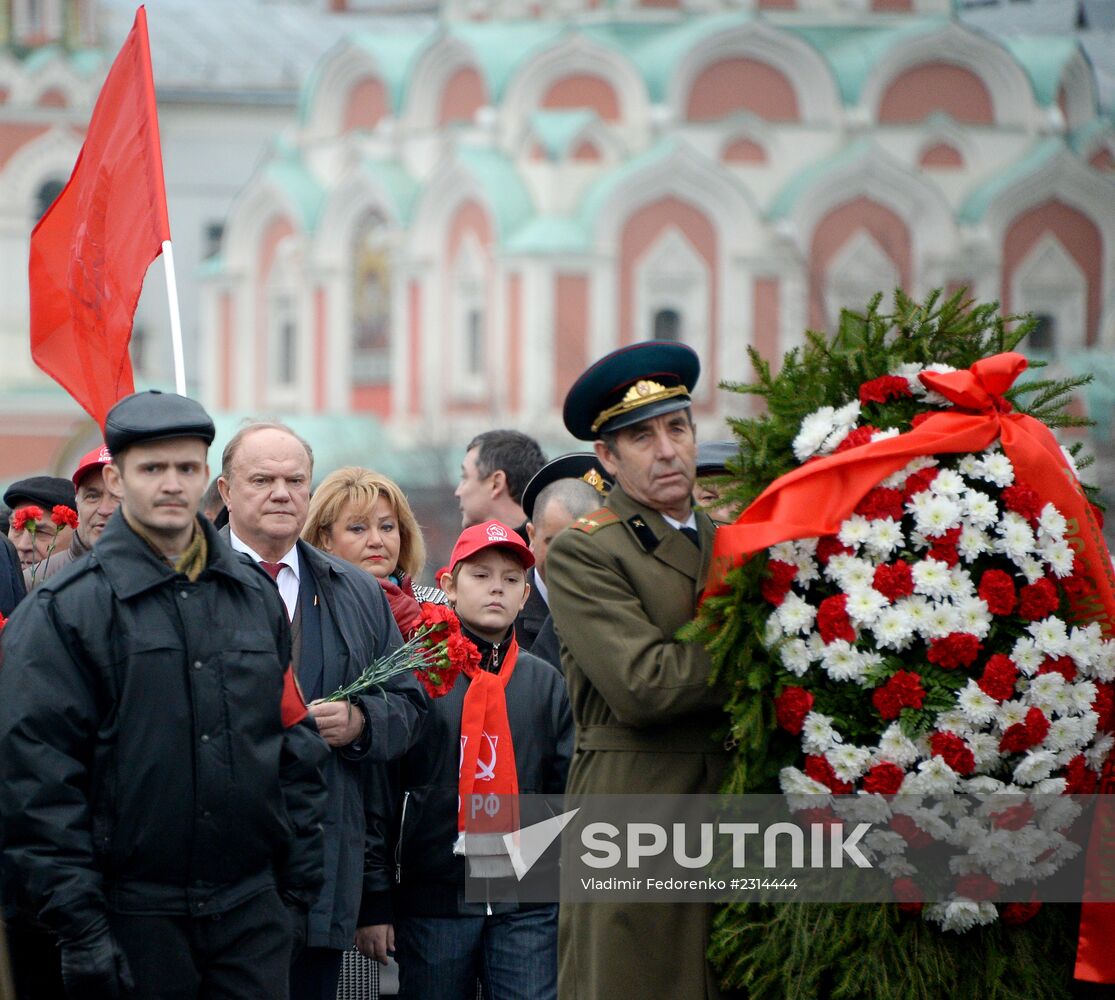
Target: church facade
(469, 212)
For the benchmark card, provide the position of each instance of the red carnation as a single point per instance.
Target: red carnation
(1013, 914)
(777, 583)
(999, 677)
(22, 516)
(909, 830)
(894, 580)
(1024, 735)
(943, 547)
(1063, 665)
(1075, 585)
(63, 516)
(1036, 600)
(881, 502)
(830, 546)
(819, 769)
(957, 649)
(917, 482)
(1080, 779)
(996, 589)
(832, 619)
(1013, 817)
(1104, 706)
(884, 778)
(1023, 501)
(861, 435)
(977, 888)
(791, 707)
(902, 690)
(879, 390)
(953, 751)
(907, 895)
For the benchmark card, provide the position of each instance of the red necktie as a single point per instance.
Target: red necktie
(272, 568)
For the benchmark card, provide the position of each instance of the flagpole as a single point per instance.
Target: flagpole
(175, 319)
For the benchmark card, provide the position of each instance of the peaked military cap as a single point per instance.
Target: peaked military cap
(156, 416)
(47, 492)
(583, 465)
(713, 457)
(631, 384)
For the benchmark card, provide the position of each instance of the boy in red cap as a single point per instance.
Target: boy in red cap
(504, 727)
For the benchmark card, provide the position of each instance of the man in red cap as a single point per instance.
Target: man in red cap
(95, 505)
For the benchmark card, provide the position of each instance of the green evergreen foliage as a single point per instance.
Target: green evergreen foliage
(860, 952)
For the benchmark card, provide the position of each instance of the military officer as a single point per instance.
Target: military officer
(622, 580)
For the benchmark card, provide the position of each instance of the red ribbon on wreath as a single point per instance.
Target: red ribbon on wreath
(816, 498)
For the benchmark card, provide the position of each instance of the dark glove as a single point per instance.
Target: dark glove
(298, 913)
(93, 965)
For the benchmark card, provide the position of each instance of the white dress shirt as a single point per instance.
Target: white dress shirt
(289, 576)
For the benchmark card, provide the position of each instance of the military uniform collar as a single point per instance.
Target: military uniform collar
(662, 540)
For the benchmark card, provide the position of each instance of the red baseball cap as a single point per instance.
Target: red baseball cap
(489, 535)
(95, 459)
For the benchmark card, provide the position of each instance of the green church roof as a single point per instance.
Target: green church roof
(501, 47)
(397, 184)
(805, 179)
(549, 234)
(503, 188)
(1044, 61)
(557, 130)
(979, 200)
(306, 195)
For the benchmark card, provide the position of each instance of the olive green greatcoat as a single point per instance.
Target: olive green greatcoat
(621, 582)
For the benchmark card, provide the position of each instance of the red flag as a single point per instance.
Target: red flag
(93, 246)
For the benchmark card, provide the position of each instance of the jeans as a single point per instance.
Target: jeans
(514, 955)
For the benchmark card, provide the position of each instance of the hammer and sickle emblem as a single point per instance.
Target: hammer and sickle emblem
(487, 771)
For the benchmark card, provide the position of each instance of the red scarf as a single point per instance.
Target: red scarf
(404, 607)
(487, 764)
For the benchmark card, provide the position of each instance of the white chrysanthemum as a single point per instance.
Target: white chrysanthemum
(817, 734)
(786, 552)
(1061, 701)
(808, 570)
(795, 614)
(985, 749)
(1099, 752)
(1050, 786)
(896, 746)
(854, 531)
(852, 573)
(842, 661)
(1010, 713)
(794, 782)
(934, 777)
(910, 370)
(948, 483)
(1070, 461)
(1031, 568)
(1052, 523)
(1026, 656)
(961, 914)
(1103, 666)
(918, 609)
(886, 536)
(1034, 766)
(796, 656)
(977, 706)
(997, 469)
(1016, 537)
(883, 435)
(973, 543)
(849, 762)
(1065, 733)
(848, 414)
(1085, 645)
(931, 578)
(772, 631)
(897, 479)
(864, 604)
(961, 585)
(1059, 555)
(817, 426)
(1044, 689)
(933, 514)
(954, 721)
(1050, 636)
(980, 510)
(941, 620)
(973, 616)
(1083, 695)
(969, 466)
(893, 629)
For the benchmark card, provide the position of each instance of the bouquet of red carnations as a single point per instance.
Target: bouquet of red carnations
(436, 652)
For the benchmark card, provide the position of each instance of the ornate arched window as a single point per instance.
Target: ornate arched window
(470, 319)
(283, 335)
(371, 300)
(44, 197)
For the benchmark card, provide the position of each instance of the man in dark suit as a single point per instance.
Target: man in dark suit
(340, 623)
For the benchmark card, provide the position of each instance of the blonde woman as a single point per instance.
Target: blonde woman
(364, 518)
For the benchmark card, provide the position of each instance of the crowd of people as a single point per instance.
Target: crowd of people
(185, 811)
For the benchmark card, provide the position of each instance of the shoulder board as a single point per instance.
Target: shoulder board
(592, 523)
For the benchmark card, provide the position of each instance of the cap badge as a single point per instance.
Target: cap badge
(596, 481)
(104, 455)
(497, 533)
(640, 394)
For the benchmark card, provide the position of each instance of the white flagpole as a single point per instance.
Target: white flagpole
(175, 320)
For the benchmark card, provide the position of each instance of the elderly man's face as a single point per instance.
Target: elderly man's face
(32, 544)
(655, 461)
(95, 505)
(268, 490)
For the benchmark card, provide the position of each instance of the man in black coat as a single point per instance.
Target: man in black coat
(341, 623)
(161, 791)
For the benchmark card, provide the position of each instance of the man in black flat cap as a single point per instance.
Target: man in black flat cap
(561, 491)
(622, 581)
(161, 793)
(33, 537)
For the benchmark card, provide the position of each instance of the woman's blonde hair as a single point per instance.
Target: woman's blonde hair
(362, 488)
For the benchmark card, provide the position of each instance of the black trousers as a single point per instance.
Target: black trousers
(35, 959)
(241, 954)
(314, 974)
